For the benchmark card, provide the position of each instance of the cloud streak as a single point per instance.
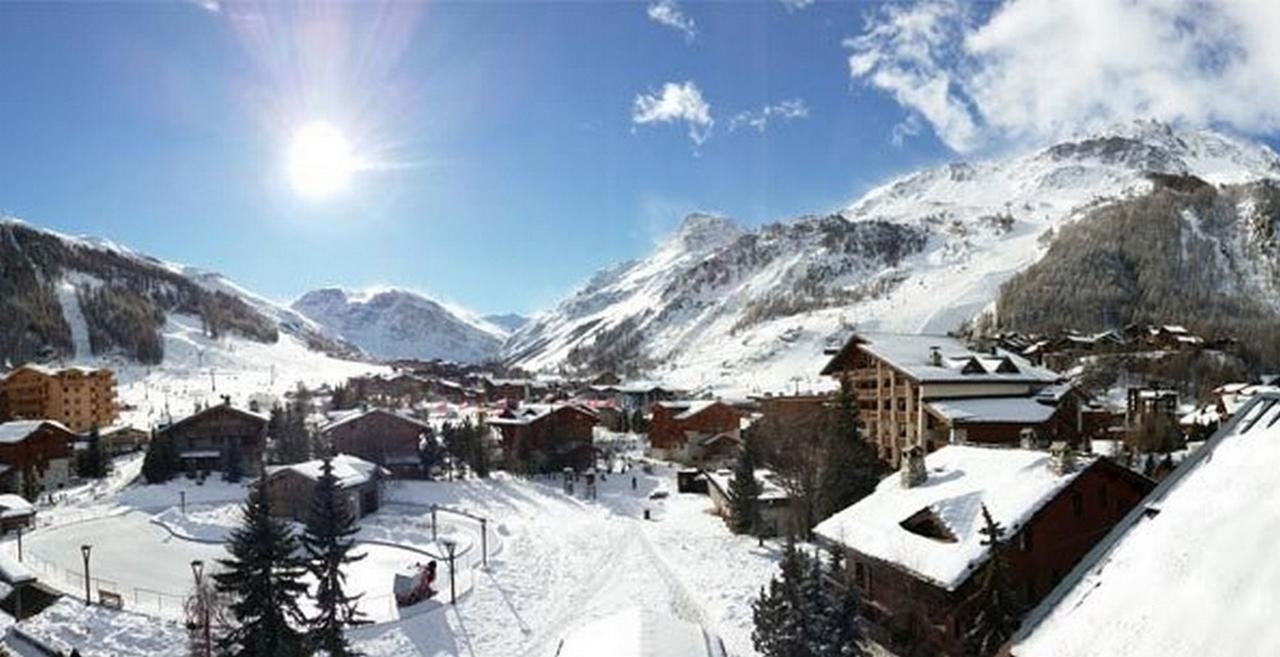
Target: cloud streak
(669, 14)
(787, 110)
(1033, 70)
(677, 102)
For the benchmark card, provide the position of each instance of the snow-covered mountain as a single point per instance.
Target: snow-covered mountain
(509, 322)
(720, 306)
(394, 323)
(176, 336)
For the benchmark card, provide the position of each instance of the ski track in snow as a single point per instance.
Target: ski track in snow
(74, 316)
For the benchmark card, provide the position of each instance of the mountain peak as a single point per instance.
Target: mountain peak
(702, 231)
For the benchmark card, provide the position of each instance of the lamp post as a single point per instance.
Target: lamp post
(182, 499)
(451, 547)
(84, 551)
(197, 569)
(19, 543)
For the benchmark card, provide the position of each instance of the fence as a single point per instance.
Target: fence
(70, 581)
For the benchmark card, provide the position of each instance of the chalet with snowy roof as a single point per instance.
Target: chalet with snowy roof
(291, 488)
(1147, 401)
(896, 377)
(695, 432)
(547, 437)
(35, 455)
(122, 439)
(1191, 570)
(386, 438)
(209, 439)
(632, 396)
(15, 513)
(915, 547)
(774, 503)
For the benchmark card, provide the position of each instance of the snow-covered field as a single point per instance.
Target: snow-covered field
(556, 562)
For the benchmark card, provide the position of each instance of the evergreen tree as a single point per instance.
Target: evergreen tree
(157, 464)
(744, 491)
(839, 634)
(263, 580)
(851, 468)
(429, 451)
(92, 462)
(327, 542)
(998, 612)
(782, 614)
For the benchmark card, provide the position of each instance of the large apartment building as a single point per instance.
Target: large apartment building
(932, 390)
(79, 397)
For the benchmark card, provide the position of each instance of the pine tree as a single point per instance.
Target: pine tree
(429, 452)
(263, 580)
(744, 491)
(479, 461)
(851, 468)
(233, 469)
(782, 614)
(92, 462)
(998, 612)
(327, 542)
(839, 634)
(157, 463)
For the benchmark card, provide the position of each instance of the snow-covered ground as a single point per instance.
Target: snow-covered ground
(556, 562)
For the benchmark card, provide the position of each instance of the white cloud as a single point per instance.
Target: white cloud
(668, 13)
(796, 5)
(1039, 69)
(677, 102)
(787, 110)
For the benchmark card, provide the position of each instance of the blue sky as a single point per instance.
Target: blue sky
(518, 170)
(520, 146)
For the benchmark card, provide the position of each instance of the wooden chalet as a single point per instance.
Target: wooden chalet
(706, 433)
(547, 437)
(388, 439)
(208, 439)
(896, 377)
(35, 455)
(915, 547)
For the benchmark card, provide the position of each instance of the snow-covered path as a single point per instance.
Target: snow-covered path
(561, 562)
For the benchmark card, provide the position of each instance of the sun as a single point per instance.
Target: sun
(320, 161)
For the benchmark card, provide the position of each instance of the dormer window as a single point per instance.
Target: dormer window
(1006, 366)
(972, 366)
(927, 524)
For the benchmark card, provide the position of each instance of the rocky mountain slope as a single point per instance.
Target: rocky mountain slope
(395, 323)
(739, 310)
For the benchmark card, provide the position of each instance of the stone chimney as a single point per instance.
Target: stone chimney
(1027, 438)
(912, 471)
(935, 356)
(1062, 459)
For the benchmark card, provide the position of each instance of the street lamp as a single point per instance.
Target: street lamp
(84, 551)
(197, 569)
(451, 547)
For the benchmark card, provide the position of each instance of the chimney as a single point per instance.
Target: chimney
(1027, 438)
(935, 356)
(1062, 460)
(912, 471)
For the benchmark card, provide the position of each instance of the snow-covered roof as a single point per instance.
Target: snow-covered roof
(637, 632)
(13, 572)
(769, 487)
(912, 354)
(1000, 410)
(350, 470)
(1191, 571)
(358, 415)
(15, 506)
(18, 430)
(1013, 484)
(530, 413)
(688, 408)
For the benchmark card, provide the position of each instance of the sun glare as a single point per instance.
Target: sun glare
(320, 161)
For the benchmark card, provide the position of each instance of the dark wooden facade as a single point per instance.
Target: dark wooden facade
(209, 439)
(382, 437)
(546, 441)
(914, 616)
(668, 431)
(43, 455)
